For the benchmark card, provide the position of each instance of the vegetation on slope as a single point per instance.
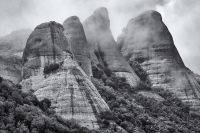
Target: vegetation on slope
(136, 113)
(22, 113)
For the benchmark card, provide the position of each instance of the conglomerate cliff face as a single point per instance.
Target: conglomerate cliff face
(72, 94)
(73, 31)
(148, 41)
(11, 49)
(104, 48)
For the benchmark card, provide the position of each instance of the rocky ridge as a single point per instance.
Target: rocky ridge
(104, 51)
(73, 31)
(70, 90)
(147, 40)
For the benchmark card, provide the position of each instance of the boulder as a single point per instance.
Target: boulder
(104, 47)
(147, 40)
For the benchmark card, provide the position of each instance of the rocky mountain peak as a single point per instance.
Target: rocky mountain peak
(46, 40)
(147, 40)
(51, 70)
(104, 47)
(73, 31)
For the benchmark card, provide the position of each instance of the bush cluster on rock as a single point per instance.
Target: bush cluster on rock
(140, 72)
(50, 68)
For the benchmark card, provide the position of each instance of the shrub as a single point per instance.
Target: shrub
(107, 72)
(143, 86)
(1, 79)
(97, 73)
(50, 68)
(140, 72)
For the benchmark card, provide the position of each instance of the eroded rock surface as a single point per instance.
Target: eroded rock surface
(73, 31)
(197, 77)
(72, 94)
(148, 41)
(104, 47)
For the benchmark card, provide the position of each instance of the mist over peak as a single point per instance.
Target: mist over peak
(181, 17)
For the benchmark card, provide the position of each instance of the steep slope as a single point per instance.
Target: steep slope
(147, 40)
(11, 49)
(22, 112)
(99, 37)
(50, 71)
(73, 31)
(197, 77)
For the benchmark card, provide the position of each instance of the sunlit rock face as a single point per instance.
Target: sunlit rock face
(11, 49)
(104, 47)
(148, 41)
(73, 31)
(72, 94)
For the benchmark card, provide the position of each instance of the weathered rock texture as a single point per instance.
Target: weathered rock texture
(72, 94)
(104, 48)
(197, 77)
(11, 49)
(10, 68)
(148, 41)
(73, 31)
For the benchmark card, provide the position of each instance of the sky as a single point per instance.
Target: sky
(180, 16)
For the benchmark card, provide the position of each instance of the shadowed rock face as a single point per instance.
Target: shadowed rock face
(99, 37)
(73, 31)
(148, 41)
(72, 94)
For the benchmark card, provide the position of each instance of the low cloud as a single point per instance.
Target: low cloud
(180, 16)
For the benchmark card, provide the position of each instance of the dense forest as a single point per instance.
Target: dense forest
(130, 111)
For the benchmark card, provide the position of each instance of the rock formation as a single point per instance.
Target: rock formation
(148, 41)
(104, 48)
(73, 31)
(10, 67)
(197, 77)
(11, 49)
(72, 94)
